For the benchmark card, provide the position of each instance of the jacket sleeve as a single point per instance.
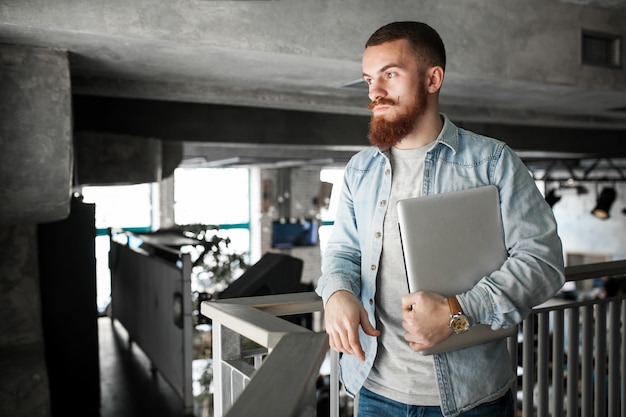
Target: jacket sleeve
(341, 260)
(534, 269)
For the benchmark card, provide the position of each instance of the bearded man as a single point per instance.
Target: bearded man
(370, 317)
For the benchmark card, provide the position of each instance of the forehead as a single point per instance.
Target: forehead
(398, 53)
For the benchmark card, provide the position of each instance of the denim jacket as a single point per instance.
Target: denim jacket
(532, 273)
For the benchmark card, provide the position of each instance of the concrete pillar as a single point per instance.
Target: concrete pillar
(35, 187)
(23, 373)
(35, 135)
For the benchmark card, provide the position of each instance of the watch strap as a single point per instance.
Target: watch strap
(455, 307)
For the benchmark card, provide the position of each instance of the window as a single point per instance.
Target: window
(211, 196)
(335, 177)
(217, 197)
(126, 206)
(601, 49)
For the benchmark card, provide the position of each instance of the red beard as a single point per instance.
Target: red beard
(387, 133)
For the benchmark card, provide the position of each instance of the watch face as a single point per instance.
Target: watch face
(459, 324)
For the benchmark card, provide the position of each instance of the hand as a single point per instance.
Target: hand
(343, 315)
(425, 317)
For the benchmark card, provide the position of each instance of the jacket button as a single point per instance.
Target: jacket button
(371, 302)
(373, 267)
(378, 234)
(383, 203)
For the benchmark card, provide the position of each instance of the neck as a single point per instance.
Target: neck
(427, 129)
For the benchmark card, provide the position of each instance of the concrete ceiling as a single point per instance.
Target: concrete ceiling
(506, 61)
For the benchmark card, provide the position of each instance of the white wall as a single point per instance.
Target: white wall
(582, 232)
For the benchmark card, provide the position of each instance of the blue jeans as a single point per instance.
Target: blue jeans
(374, 405)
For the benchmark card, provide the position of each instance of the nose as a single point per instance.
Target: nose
(376, 91)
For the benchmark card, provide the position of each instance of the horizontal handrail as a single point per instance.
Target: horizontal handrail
(280, 304)
(595, 270)
(281, 385)
(295, 353)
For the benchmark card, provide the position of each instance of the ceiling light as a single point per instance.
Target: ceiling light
(581, 189)
(552, 198)
(604, 203)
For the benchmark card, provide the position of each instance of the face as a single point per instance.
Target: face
(397, 91)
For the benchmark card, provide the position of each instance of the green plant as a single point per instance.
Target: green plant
(215, 263)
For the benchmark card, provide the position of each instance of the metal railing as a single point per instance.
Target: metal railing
(556, 355)
(573, 352)
(277, 378)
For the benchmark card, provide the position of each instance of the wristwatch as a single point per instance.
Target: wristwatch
(459, 323)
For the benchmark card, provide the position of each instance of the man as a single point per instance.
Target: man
(369, 317)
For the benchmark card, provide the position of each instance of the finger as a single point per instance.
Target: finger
(407, 324)
(338, 340)
(367, 326)
(410, 324)
(416, 347)
(408, 313)
(408, 301)
(410, 337)
(332, 342)
(354, 345)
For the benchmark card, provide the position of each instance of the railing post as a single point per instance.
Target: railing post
(513, 346)
(599, 372)
(614, 358)
(557, 362)
(334, 383)
(187, 386)
(226, 346)
(586, 403)
(528, 346)
(543, 342)
(573, 360)
(623, 358)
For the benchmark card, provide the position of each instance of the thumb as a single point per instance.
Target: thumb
(367, 326)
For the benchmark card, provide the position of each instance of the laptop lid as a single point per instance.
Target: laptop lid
(449, 242)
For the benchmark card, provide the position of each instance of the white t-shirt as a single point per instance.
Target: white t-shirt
(399, 373)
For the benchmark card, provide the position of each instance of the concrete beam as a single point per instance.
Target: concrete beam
(258, 127)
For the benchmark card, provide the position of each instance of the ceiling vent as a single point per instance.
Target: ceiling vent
(601, 49)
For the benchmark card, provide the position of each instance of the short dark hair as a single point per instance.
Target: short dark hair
(425, 40)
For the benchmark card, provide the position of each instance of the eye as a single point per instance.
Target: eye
(368, 80)
(390, 75)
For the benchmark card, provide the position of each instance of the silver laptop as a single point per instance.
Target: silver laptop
(450, 241)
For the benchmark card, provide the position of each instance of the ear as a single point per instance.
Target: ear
(435, 79)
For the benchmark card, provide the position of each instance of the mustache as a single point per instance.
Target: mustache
(381, 102)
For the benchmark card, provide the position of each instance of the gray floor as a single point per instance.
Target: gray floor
(127, 386)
